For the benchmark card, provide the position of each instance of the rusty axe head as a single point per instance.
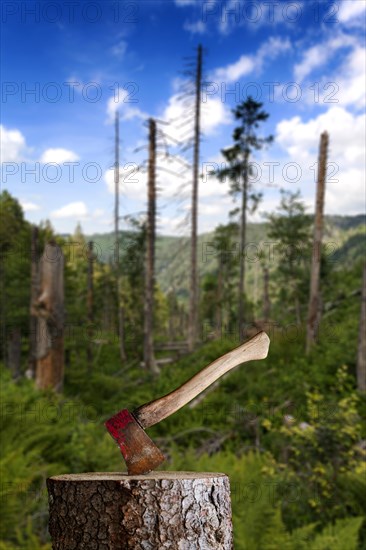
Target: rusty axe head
(140, 453)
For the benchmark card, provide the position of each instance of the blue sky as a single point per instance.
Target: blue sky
(67, 66)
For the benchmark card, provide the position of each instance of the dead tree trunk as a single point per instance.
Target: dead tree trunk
(182, 323)
(266, 299)
(90, 306)
(49, 309)
(361, 352)
(193, 299)
(113, 511)
(109, 302)
(243, 225)
(14, 352)
(120, 321)
(220, 296)
(313, 314)
(173, 311)
(149, 359)
(34, 292)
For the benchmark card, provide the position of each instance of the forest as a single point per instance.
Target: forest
(94, 322)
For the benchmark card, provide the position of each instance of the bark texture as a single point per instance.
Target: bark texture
(266, 299)
(314, 301)
(149, 358)
(162, 510)
(193, 298)
(121, 331)
(243, 228)
(14, 352)
(90, 305)
(49, 309)
(34, 292)
(361, 351)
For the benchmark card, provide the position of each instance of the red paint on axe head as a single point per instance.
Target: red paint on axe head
(116, 425)
(140, 453)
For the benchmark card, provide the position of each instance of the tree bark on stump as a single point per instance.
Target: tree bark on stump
(161, 510)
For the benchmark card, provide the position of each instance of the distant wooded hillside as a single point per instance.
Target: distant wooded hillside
(344, 234)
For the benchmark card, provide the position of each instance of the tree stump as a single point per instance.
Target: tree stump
(114, 511)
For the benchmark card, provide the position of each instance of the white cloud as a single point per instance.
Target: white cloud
(29, 206)
(196, 27)
(346, 185)
(123, 102)
(314, 57)
(273, 47)
(351, 79)
(349, 10)
(174, 176)
(350, 202)
(346, 133)
(171, 174)
(213, 114)
(239, 13)
(243, 66)
(210, 209)
(72, 210)
(318, 55)
(247, 64)
(58, 156)
(13, 146)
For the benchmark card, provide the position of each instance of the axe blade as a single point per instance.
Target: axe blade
(139, 451)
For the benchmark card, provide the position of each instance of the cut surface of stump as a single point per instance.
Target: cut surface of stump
(115, 511)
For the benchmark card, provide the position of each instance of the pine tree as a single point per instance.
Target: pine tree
(246, 141)
(289, 228)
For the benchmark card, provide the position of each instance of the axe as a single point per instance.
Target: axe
(128, 429)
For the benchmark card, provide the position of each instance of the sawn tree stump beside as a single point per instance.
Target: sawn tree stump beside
(114, 511)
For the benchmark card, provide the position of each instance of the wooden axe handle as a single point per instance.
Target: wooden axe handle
(155, 411)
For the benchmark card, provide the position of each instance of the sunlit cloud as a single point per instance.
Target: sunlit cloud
(123, 102)
(13, 145)
(58, 156)
(29, 206)
(76, 210)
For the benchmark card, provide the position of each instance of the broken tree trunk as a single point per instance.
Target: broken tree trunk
(219, 303)
(149, 359)
(120, 305)
(90, 306)
(114, 511)
(313, 315)
(193, 297)
(242, 236)
(49, 309)
(361, 352)
(34, 292)
(14, 352)
(266, 299)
